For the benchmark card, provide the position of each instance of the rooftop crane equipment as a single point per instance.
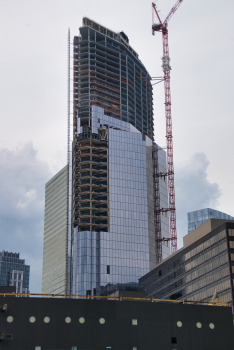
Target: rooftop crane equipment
(162, 27)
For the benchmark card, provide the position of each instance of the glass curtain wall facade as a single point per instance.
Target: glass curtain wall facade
(197, 271)
(113, 238)
(198, 217)
(54, 275)
(14, 272)
(113, 213)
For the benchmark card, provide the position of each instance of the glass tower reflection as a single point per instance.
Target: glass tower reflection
(198, 217)
(113, 237)
(119, 246)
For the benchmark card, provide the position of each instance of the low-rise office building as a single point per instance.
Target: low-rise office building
(203, 269)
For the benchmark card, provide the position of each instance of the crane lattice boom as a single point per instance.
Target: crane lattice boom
(162, 27)
(173, 10)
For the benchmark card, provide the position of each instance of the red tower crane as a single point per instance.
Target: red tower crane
(162, 27)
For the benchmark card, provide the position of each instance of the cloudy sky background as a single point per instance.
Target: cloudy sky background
(33, 104)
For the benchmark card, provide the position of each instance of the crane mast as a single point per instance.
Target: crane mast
(162, 27)
(170, 163)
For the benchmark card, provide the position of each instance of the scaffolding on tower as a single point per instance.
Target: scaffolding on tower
(162, 27)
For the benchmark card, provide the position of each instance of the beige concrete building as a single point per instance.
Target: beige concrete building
(203, 270)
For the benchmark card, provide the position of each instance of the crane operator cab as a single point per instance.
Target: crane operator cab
(156, 27)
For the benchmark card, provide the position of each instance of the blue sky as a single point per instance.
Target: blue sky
(33, 104)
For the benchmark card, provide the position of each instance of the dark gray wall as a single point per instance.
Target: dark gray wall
(156, 325)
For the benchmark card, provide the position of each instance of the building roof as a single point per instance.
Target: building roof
(202, 230)
(194, 236)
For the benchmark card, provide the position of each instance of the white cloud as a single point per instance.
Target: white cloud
(193, 190)
(22, 181)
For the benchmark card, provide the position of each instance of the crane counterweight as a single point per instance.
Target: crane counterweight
(156, 27)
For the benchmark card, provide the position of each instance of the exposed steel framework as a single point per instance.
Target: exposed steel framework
(162, 27)
(157, 211)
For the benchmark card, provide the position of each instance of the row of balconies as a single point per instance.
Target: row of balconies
(85, 49)
(107, 92)
(95, 211)
(95, 144)
(107, 53)
(99, 81)
(105, 60)
(87, 182)
(87, 170)
(84, 153)
(94, 207)
(94, 61)
(92, 168)
(97, 207)
(105, 104)
(101, 216)
(95, 195)
(103, 199)
(93, 69)
(93, 160)
(83, 143)
(89, 203)
(98, 184)
(101, 95)
(94, 187)
(93, 191)
(97, 176)
(109, 79)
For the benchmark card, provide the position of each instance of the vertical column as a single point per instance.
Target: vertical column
(69, 161)
(157, 213)
(91, 184)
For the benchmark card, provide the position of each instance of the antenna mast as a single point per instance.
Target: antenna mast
(69, 164)
(68, 96)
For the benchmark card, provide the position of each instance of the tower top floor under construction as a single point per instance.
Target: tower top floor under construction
(109, 74)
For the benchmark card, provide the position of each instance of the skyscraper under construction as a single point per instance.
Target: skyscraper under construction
(104, 226)
(116, 191)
